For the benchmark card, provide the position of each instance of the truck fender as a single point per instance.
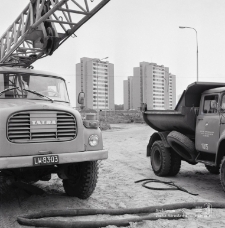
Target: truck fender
(157, 136)
(220, 151)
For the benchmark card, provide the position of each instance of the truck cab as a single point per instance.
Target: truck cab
(42, 134)
(210, 128)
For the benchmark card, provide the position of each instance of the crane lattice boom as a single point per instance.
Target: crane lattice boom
(42, 27)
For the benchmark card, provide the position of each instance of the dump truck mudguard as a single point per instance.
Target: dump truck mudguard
(157, 136)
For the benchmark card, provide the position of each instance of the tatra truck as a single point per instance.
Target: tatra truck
(41, 134)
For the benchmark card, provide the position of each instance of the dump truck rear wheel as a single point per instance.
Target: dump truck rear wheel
(82, 179)
(160, 159)
(175, 163)
(213, 169)
(183, 146)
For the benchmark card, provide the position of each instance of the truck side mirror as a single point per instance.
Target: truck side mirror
(81, 97)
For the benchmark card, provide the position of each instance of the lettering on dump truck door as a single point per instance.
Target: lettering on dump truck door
(207, 133)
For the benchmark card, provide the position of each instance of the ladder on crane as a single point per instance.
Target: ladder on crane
(42, 27)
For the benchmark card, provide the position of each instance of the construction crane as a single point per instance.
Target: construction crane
(42, 27)
(38, 125)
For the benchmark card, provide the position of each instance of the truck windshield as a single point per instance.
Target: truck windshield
(16, 84)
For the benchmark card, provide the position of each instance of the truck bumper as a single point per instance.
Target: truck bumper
(27, 161)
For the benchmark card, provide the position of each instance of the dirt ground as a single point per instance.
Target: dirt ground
(126, 164)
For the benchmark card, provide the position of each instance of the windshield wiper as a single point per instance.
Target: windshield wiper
(39, 94)
(8, 89)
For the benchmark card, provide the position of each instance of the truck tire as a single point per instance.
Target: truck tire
(5, 182)
(183, 146)
(83, 179)
(222, 173)
(175, 164)
(160, 159)
(3, 185)
(213, 169)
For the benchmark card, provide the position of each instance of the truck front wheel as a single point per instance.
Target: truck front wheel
(82, 179)
(160, 159)
(213, 169)
(222, 173)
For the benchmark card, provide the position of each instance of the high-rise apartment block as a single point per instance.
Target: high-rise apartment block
(151, 84)
(96, 79)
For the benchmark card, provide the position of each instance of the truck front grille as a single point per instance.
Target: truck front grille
(41, 126)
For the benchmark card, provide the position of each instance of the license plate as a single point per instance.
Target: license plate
(46, 160)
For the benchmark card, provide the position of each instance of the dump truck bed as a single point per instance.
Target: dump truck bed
(166, 120)
(183, 117)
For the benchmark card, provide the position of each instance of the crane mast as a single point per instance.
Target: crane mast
(42, 27)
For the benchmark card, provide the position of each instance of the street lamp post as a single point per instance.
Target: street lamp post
(182, 27)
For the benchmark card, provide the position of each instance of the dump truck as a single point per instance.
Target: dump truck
(41, 134)
(193, 132)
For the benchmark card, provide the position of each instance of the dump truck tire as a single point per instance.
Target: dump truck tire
(175, 164)
(160, 159)
(213, 169)
(183, 146)
(82, 179)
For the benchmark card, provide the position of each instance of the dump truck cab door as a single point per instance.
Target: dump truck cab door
(222, 117)
(208, 124)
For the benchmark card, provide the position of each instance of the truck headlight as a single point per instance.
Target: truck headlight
(93, 140)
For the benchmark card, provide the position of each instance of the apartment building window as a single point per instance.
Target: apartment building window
(101, 101)
(158, 76)
(158, 83)
(157, 87)
(158, 91)
(103, 89)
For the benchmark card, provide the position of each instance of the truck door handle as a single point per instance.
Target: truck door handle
(200, 118)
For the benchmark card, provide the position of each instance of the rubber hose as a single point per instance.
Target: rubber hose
(170, 183)
(32, 219)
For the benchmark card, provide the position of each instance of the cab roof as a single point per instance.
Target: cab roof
(215, 90)
(4, 69)
(192, 95)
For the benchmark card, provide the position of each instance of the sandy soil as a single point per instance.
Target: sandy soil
(126, 164)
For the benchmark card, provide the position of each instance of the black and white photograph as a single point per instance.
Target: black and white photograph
(112, 113)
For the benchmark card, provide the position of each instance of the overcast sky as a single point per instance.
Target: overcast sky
(132, 31)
